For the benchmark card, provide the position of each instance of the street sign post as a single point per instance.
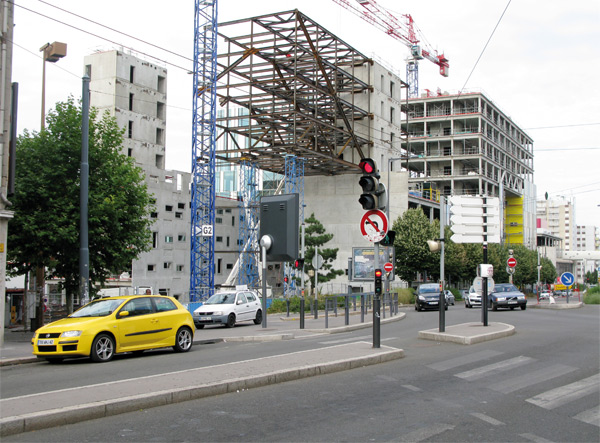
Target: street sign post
(474, 218)
(511, 262)
(567, 279)
(388, 267)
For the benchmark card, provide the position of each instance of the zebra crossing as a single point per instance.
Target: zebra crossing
(489, 365)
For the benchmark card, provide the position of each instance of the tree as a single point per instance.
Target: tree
(316, 237)
(45, 229)
(413, 229)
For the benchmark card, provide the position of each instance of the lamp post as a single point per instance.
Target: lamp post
(52, 52)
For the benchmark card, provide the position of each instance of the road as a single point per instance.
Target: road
(541, 384)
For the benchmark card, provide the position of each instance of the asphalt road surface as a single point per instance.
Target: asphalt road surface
(541, 384)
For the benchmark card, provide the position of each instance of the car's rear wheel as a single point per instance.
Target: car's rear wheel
(258, 318)
(183, 340)
(494, 306)
(230, 321)
(103, 348)
(523, 307)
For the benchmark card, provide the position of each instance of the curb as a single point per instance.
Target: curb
(74, 414)
(463, 339)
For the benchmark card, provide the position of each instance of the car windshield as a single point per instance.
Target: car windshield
(505, 288)
(98, 308)
(429, 289)
(224, 298)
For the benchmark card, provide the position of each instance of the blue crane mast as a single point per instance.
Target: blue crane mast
(202, 248)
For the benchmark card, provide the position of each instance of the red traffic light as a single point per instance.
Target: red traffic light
(368, 166)
(299, 263)
(378, 273)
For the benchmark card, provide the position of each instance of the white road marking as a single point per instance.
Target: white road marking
(505, 365)
(425, 433)
(486, 418)
(543, 374)
(460, 361)
(533, 437)
(591, 416)
(565, 394)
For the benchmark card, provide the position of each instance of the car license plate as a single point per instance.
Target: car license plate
(45, 342)
(433, 303)
(205, 319)
(512, 302)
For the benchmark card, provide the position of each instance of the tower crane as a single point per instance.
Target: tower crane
(405, 31)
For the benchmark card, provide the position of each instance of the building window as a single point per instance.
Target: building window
(161, 84)
(88, 71)
(219, 211)
(227, 211)
(219, 239)
(219, 265)
(130, 129)
(180, 268)
(129, 152)
(447, 170)
(392, 89)
(218, 220)
(154, 215)
(168, 239)
(160, 110)
(155, 240)
(131, 72)
(227, 241)
(229, 266)
(168, 208)
(167, 265)
(232, 220)
(392, 112)
(178, 215)
(180, 205)
(150, 268)
(131, 102)
(181, 237)
(160, 136)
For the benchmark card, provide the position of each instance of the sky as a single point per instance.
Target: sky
(539, 62)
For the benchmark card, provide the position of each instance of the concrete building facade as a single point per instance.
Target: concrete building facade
(463, 144)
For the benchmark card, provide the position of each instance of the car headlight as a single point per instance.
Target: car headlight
(71, 334)
(218, 313)
(501, 299)
(421, 298)
(521, 297)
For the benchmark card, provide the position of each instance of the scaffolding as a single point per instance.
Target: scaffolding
(294, 184)
(204, 110)
(248, 226)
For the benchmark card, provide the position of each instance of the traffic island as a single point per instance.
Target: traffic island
(469, 333)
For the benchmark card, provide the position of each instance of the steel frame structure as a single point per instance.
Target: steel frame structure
(299, 84)
(248, 226)
(204, 108)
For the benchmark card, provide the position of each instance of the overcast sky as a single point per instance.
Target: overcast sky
(541, 66)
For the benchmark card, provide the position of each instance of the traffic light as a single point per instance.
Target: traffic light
(373, 196)
(378, 276)
(389, 238)
(299, 263)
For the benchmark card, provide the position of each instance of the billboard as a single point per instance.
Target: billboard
(363, 262)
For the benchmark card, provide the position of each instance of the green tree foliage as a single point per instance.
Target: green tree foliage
(413, 229)
(45, 227)
(317, 237)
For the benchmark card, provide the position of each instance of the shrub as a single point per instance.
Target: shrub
(592, 296)
(406, 296)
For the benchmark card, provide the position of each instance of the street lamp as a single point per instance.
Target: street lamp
(52, 52)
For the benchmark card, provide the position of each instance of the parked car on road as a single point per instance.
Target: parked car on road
(545, 295)
(473, 299)
(506, 295)
(229, 308)
(112, 325)
(428, 297)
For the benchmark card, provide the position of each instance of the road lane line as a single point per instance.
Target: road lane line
(542, 375)
(591, 416)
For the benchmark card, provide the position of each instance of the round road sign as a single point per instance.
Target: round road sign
(374, 225)
(388, 267)
(511, 262)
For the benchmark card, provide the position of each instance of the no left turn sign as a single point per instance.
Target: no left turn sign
(374, 225)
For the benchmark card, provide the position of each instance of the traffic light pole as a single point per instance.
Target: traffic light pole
(442, 302)
(376, 302)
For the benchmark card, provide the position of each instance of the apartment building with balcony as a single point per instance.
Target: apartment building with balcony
(463, 144)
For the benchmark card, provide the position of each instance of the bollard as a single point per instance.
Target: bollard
(346, 310)
(302, 313)
(326, 314)
(287, 302)
(376, 323)
(316, 308)
(362, 308)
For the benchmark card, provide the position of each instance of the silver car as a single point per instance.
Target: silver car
(473, 298)
(228, 308)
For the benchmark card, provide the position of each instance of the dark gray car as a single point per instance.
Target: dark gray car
(506, 295)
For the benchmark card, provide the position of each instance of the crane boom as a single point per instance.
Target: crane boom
(405, 32)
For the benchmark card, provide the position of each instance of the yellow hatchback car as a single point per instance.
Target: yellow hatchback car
(109, 326)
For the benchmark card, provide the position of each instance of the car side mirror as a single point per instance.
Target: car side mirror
(123, 314)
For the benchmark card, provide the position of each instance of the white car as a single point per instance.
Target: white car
(229, 308)
(545, 295)
(473, 298)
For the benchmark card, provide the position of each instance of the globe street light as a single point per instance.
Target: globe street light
(52, 52)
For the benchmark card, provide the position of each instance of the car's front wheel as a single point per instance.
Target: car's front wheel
(230, 321)
(523, 307)
(258, 318)
(183, 340)
(494, 306)
(103, 348)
